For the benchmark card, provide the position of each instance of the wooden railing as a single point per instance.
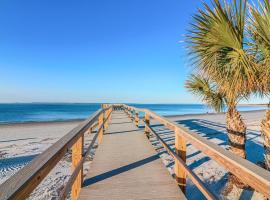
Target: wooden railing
(20, 185)
(27, 179)
(251, 174)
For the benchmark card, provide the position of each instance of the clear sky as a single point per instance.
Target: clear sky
(94, 50)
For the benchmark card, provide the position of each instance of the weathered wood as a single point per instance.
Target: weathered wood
(101, 128)
(180, 148)
(147, 121)
(25, 181)
(20, 185)
(137, 119)
(110, 115)
(82, 153)
(126, 166)
(92, 128)
(194, 178)
(106, 115)
(251, 174)
(76, 158)
(64, 193)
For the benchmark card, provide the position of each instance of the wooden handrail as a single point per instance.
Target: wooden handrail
(20, 185)
(251, 174)
(28, 178)
(194, 178)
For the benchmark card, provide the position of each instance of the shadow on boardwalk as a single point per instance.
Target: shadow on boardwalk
(119, 170)
(215, 176)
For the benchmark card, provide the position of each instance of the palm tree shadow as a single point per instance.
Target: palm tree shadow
(217, 133)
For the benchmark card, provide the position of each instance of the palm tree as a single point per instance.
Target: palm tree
(216, 44)
(259, 31)
(207, 91)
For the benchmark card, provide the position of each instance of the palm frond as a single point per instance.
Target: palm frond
(202, 87)
(216, 43)
(259, 31)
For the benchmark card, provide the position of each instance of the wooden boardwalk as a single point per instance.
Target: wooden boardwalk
(126, 166)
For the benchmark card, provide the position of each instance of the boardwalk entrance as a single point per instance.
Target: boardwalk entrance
(126, 166)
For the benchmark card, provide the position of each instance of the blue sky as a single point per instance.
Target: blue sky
(94, 50)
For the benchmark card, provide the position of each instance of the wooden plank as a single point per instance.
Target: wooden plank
(180, 148)
(101, 128)
(126, 166)
(251, 174)
(147, 121)
(106, 115)
(137, 119)
(194, 178)
(76, 157)
(26, 180)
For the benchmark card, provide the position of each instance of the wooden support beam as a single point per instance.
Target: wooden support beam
(100, 127)
(137, 119)
(76, 158)
(110, 115)
(82, 153)
(106, 124)
(180, 172)
(147, 121)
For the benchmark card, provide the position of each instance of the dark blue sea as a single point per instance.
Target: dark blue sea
(48, 112)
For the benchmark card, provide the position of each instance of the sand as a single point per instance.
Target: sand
(213, 127)
(20, 143)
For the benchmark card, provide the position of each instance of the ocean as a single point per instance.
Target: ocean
(49, 112)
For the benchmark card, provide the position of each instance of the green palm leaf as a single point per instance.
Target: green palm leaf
(207, 91)
(216, 44)
(259, 32)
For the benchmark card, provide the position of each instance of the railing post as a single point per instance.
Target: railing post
(100, 127)
(77, 151)
(180, 148)
(137, 119)
(106, 114)
(82, 152)
(128, 112)
(147, 121)
(133, 115)
(110, 114)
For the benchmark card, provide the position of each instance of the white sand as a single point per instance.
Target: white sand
(213, 127)
(19, 144)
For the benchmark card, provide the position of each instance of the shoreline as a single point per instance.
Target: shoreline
(30, 123)
(211, 114)
(56, 122)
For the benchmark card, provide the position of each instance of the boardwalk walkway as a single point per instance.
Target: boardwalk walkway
(126, 166)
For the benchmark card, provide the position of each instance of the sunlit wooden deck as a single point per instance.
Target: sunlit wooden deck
(126, 166)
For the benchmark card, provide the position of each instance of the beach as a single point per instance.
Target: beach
(20, 143)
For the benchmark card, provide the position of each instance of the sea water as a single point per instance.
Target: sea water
(49, 112)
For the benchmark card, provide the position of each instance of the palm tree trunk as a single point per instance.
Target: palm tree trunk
(265, 125)
(236, 129)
